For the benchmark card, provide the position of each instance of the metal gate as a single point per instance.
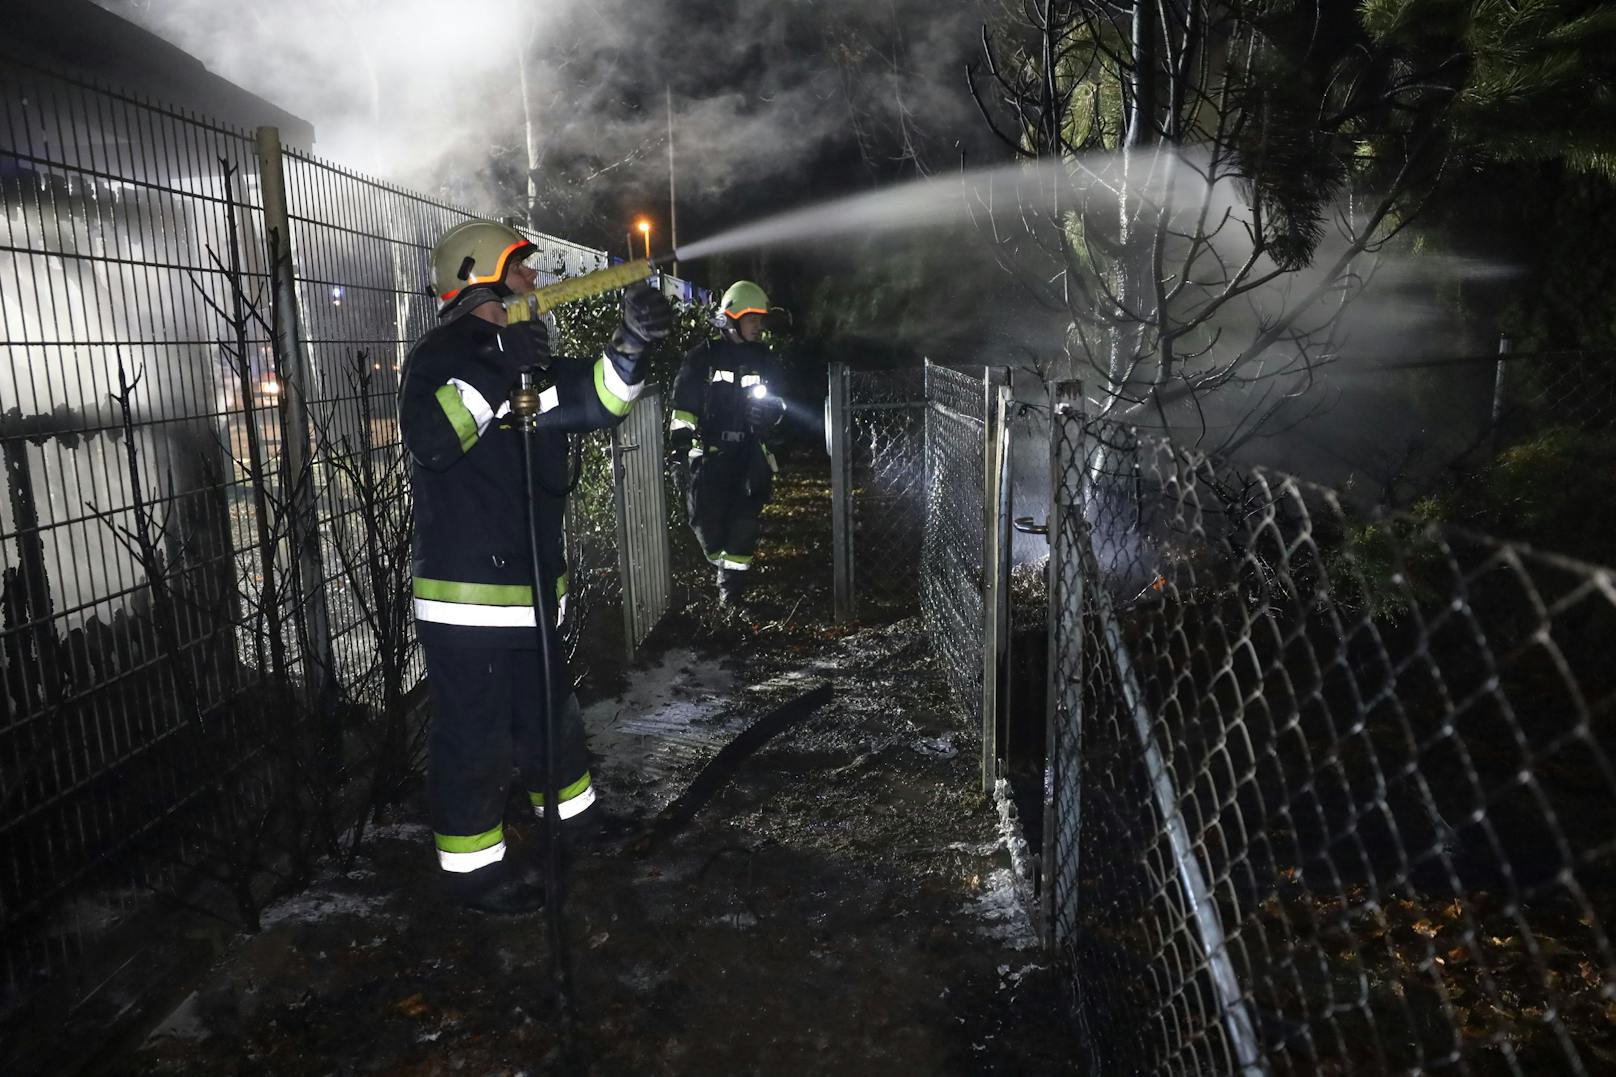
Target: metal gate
(874, 434)
(642, 520)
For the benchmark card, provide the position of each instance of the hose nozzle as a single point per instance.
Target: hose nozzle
(541, 301)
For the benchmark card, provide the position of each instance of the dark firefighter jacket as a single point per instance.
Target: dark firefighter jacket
(473, 580)
(710, 392)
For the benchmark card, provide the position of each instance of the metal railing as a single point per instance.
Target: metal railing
(1326, 792)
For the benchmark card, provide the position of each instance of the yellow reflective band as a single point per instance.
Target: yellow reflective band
(459, 416)
(470, 843)
(574, 799)
(479, 594)
(564, 794)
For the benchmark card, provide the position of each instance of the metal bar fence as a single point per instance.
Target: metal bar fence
(111, 205)
(644, 558)
(1327, 792)
(141, 718)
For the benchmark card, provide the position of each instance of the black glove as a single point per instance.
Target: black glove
(647, 318)
(763, 412)
(679, 444)
(525, 343)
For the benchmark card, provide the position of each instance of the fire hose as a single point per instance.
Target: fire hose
(525, 407)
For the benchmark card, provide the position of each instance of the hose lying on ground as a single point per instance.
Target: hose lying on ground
(721, 768)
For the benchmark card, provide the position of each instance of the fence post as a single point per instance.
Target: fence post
(995, 566)
(625, 534)
(27, 602)
(1063, 717)
(296, 438)
(838, 425)
(1500, 392)
(1201, 905)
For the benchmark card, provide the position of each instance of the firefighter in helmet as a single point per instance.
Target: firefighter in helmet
(724, 410)
(473, 577)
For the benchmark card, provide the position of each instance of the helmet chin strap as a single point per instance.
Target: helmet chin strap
(470, 299)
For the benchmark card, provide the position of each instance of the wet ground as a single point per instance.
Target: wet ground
(843, 904)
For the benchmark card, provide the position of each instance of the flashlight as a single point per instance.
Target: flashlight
(760, 391)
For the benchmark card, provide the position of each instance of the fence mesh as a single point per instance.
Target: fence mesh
(888, 477)
(1328, 793)
(1574, 389)
(111, 204)
(951, 555)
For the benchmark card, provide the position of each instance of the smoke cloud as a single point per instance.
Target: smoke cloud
(432, 95)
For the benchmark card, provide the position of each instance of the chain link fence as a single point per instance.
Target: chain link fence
(878, 457)
(951, 562)
(204, 513)
(1543, 389)
(1328, 792)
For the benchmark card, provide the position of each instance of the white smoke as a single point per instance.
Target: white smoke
(431, 95)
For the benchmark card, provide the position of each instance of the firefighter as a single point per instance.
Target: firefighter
(723, 412)
(473, 578)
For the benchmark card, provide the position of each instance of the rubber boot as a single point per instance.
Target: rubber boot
(592, 831)
(732, 586)
(497, 890)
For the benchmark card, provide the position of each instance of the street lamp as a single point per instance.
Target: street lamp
(645, 230)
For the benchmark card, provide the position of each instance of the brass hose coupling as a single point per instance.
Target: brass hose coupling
(525, 398)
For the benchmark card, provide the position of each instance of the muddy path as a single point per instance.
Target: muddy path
(844, 904)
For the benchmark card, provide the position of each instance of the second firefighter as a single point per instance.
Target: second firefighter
(723, 412)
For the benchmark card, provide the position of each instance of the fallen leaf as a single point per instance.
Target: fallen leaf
(414, 1006)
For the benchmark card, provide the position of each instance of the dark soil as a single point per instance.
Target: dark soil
(845, 904)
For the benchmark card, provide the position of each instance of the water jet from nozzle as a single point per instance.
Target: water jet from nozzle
(929, 203)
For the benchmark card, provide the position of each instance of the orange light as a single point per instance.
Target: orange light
(644, 226)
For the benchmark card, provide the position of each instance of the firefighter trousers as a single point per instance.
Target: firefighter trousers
(488, 718)
(728, 489)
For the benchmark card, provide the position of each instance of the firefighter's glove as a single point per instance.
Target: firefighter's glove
(525, 344)
(679, 444)
(647, 318)
(764, 412)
